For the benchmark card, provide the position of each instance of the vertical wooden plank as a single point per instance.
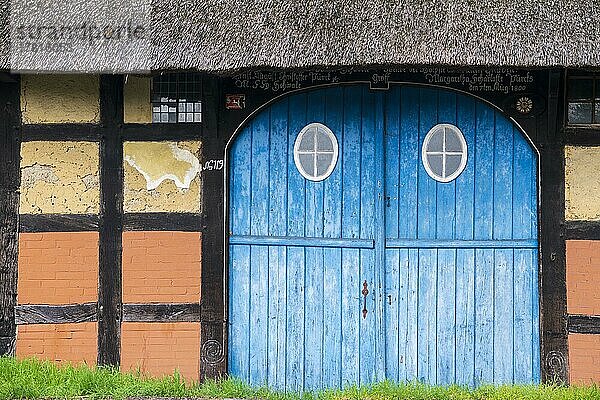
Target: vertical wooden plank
(332, 258)
(465, 258)
(368, 336)
(10, 180)
(535, 323)
(537, 349)
(394, 296)
(525, 270)
(427, 314)
(295, 255)
(351, 299)
(484, 259)
(239, 256)
(503, 258)
(411, 358)
(379, 288)
(446, 268)
(259, 255)
(410, 168)
(313, 296)
(111, 221)
(278, 158)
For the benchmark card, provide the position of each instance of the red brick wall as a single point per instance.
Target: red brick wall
(583, 297)
(584, 358)
(59, 342)
(161, 267)
(160, 348)
(583, 277)
(58, 268)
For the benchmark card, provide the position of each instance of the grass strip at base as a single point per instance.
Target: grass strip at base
(35, 379)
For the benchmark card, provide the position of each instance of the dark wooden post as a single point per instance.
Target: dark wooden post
(111, 220)
(10, 180)
(555, 352)
(213, 362)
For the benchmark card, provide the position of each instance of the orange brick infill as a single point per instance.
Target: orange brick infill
(58, 268)
(584, 359)
(158, 349)
(74, 343)
(161, 267)
(583, 277)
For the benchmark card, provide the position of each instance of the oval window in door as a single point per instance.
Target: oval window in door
(315, 152)
(444, 152)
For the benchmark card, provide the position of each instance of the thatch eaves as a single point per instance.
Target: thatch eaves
(213, 35)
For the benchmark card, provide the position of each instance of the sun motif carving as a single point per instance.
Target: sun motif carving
(524, 105)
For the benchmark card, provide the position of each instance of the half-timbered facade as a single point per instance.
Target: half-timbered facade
(308, 208)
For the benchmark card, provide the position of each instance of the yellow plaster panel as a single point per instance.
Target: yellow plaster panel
(162, 176)
(582, 183)
(60, 178)
(136, 97)
(60, 99)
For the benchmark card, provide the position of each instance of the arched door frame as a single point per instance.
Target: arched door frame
(553, 363)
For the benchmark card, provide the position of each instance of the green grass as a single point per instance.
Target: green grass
(33, 379)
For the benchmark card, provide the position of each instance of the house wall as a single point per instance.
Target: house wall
(61, 203)
(136, 96)
(161, 267)
(582, 204)
(162, 176)
(161, 348)
(47, 99)
(73, 343)
(58, 268)
(582, 183)
(61, 177)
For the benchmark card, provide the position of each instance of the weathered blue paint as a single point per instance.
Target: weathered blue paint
(305, 241)
(460, 244)
(451, 268)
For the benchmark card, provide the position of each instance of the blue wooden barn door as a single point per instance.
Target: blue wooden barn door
(450, 268)
(300, 251)
(461, 273)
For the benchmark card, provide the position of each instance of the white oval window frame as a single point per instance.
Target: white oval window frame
(464, 153)
(334, 160)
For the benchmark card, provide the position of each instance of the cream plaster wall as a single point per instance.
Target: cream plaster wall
(60, 178)
(60, 99)
(162, 176)
(136, 97)
(582, 183)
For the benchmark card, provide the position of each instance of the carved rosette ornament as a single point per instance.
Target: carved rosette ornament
(556, 365)
(212, 352)
(524, 105)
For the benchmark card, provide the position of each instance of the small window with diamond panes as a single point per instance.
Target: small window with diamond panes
(176, 98)
(583, 100)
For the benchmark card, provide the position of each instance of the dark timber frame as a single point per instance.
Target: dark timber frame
(111, 221)
(110, 134)
(581, 135)
(547, 130)
(10, 180)
(553, 302)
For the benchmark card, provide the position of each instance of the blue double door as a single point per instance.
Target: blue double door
(379, 271)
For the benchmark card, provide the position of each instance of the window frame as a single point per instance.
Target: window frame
(464, 153)
(594, 100)
(335, 154)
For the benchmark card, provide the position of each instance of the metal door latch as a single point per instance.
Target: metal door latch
(365, 292)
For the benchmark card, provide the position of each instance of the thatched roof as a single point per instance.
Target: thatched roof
(223, 34)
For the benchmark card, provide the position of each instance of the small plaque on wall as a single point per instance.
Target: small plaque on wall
(235, 101)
